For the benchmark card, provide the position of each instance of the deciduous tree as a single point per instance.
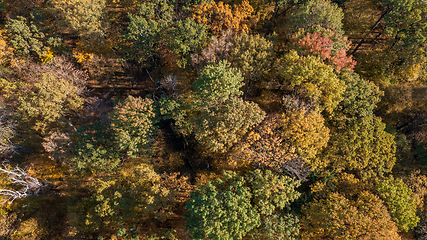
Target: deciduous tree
(400, 202)
(316, 12)
(220, 16)
(133, 124)
(311, 80)
(337, 217)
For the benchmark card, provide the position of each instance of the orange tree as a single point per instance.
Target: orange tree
(220, 16)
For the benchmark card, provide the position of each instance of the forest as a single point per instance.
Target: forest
(203, 119)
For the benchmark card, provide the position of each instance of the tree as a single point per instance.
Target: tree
(264, 148)
(218, 50)
(218, 125)
(218, 82)
(221, 209)
(305, 129)
(319, 44)
(187, 38)
(234, 206)
(27, 39)
(406, 22)
(311, 80)
(219, 16)
(272, 196)
(145, 31)
(95, 150)
(400, 202)
(133, 124)
(44, 103)
(251, 54)
(363, 146)
(314, 13)
(337, 217)
(360, 98)
(7, 132)
(131, 196)
(18, 184)
(84, 18)
(215, 115)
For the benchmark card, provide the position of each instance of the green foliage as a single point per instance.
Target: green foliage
(360, 97)
(400, 202)
(406, 22)
(221, 209)
(314, 13)
(84, 18)
(337, 217)
(28, 40)
(129, 197)
(312, 80)
(236, 206)
(187, 37)
(44, 103)
(133, 124)
(94, 150)
(251, 54)
(271, 192)
(215, 115)
(218, 82)
(363, 146)
(271, 196)
(146, 29)
(218, 125)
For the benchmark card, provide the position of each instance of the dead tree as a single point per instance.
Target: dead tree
(19, 184)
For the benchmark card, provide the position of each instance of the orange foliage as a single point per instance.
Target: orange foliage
(220, 16)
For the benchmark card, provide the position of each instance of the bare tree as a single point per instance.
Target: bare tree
(19, 184)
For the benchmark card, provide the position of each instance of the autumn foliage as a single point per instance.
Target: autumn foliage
(220, 16)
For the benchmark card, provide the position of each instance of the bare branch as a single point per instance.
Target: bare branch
(20, 184)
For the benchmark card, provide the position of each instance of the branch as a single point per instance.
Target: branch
(22, 184)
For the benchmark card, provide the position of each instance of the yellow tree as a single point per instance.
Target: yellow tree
(220, 16)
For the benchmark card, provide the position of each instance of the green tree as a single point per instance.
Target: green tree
(187, 37)
(252, 55)
(146, 29)
(314, 13)
(133, 124)
(311, 80)
(84, 18)
(256, 205)
(272, 196)
(363, 146)
(400, 202)
(360, 98)
(218, 82)
(95, 150)
(45, 103)
(28, 40)
(406, 22)
(216, 116)
(218, 125)
(131, 196)
(221, 209)
(337, 217)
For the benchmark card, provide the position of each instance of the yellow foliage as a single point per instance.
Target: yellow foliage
(81, 56)
(6, 53)
(220, 16)
(305, 130)
(46, 56)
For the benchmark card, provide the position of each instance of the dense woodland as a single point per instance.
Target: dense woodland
(193, 119)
